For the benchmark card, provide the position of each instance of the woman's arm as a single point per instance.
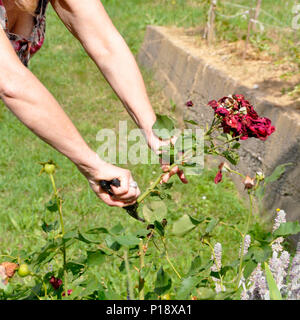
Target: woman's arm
(33, 104)
(90, 24)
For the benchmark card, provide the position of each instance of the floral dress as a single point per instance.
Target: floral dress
(27, 47)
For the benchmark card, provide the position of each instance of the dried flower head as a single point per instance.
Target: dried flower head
(249, 183)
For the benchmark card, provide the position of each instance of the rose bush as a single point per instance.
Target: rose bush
(234, 119)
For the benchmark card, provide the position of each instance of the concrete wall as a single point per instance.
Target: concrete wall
(184, 75)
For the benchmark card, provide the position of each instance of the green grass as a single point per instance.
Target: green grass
(65, 69)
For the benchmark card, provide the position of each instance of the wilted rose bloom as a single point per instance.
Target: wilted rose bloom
(218, 177)
(249, 183)
(222, 112)
(239, 118)
(55, 282)
(214, 104)
(189, 103)
(10, 268)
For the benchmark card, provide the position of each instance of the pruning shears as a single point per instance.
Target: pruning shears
(131, 209)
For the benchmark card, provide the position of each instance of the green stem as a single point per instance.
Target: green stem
(236, 172)
(41, 279)
(58, 200)
(168, 259)
(221, 145)
(243, 241)
(142, 265)
(154, 184)
(59, 205)
(130, 287)
(8, 256)
(158, 179)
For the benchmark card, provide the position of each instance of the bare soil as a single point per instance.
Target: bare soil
(274, 78)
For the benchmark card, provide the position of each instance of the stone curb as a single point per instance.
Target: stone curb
(185, 76)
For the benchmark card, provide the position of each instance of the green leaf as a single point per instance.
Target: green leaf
(117, 229)
(279, 170)
(49, 227)
(82, 237)
(112, 243)
(274, 291)
(195, 266)
(287, 228)
(204, 293)
(128, 240)
(75, 267)
(191, 122)
(95, 258)
(159, 227)
(151, 296)
(72, 234)
(52, 205)
(186, 286)
(145, 271)
(97, 230)
(249, 268)
(222, 272)
(211, 225)
(163, 282)
(91, 286)
(163, 127)
(231, 156)
(236, 145)
(184, 225)
(155, 210)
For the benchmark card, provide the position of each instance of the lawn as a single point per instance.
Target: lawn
(69, 74)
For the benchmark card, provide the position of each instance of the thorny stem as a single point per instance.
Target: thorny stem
(158, 179)
(59, 205)
(168, 259)
(142, 264)
(130, 287)
(154, 184)
(243, 240)
(221, 145)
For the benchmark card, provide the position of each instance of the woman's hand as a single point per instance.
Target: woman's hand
(98, 169)
(155, 144)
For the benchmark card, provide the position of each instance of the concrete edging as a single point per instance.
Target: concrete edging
(184, 76)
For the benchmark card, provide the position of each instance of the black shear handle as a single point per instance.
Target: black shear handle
(106, 185)
(131, 209)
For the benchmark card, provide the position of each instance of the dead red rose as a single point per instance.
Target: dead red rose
(222, 112)
(240, 119)
(10, 268)
(218, 177)
(189, 103)
(214, 104)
